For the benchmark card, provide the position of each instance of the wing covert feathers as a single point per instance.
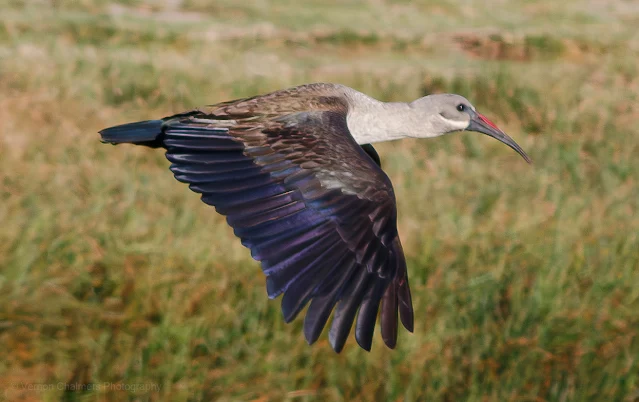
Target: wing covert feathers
(312, 206)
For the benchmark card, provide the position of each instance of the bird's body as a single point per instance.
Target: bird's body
(293, 173)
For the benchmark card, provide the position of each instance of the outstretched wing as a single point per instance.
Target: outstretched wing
(314, 209)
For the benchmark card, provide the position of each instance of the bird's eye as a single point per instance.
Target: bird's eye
(461, 107)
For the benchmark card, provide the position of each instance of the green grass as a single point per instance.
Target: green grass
(525, 278)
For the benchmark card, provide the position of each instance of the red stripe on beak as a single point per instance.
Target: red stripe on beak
(485, 120)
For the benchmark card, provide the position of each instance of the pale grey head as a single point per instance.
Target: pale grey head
(447, 113)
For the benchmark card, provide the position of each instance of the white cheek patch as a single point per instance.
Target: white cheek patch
(454, 125)
(462, 125)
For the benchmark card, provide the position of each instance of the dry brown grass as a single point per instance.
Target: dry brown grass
(525, 278)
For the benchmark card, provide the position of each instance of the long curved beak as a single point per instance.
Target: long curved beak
(480, 124)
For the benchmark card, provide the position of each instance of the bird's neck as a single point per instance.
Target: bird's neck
(370, 120)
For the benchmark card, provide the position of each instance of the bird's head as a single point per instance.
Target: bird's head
(450, 112)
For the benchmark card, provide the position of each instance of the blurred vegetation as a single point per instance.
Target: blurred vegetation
(525, 278)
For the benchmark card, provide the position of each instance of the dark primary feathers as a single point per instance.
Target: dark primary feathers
(313, 207)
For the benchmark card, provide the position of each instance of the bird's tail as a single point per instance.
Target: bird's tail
(148, 133)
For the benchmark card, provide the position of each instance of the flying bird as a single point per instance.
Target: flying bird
(295, 175)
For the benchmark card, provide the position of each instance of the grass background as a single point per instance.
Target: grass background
(525, 278)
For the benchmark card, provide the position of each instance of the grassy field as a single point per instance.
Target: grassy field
(525, 278)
